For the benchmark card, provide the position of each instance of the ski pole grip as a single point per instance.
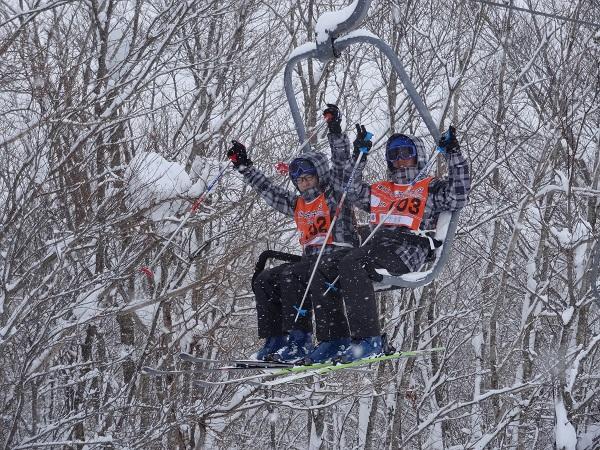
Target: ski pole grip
(368, 137)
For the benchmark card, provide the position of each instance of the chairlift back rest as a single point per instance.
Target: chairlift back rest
(268, 254)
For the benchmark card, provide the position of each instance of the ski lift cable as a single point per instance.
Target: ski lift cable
(539, 13)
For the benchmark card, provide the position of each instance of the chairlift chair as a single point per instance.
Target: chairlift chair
(329, 45)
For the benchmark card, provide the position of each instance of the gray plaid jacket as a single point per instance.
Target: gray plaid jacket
(447, 194)
(331, 181)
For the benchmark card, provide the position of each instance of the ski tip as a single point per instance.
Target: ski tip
(146, 271)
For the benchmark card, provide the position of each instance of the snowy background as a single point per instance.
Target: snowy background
(116, 115)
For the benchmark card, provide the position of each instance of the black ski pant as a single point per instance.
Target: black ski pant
(272, 310)
(356, 269)
(330, 319)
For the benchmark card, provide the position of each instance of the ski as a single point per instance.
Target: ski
(324, 369)
(276, 376)
(251, 364)
(154, 372)
(214, 365)
(235, 363)
(267, 372)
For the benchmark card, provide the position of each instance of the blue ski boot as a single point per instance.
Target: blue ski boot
(299, 345)
(327, 350)
(362, 348)
(272, 344)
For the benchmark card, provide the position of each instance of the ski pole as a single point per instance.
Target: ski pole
(147, 270)
(338, 210)
(313, 134)
(282, 167)
(420, 175)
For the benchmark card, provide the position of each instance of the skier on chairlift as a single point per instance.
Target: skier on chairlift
(399, 246)
(320, 190)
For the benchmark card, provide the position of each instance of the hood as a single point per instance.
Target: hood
(321, 163)
(406, 175)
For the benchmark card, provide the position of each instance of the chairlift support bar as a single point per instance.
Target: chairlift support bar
(412, 280)
(329, 47)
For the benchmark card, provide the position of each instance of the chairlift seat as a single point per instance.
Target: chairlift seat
(444, 231)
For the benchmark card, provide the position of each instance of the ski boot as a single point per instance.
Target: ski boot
(299, 345)
(272, 344)
(327, 350)
(361, 348)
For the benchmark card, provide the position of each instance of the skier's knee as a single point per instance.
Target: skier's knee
(348, 264)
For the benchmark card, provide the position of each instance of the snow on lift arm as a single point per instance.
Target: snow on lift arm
(329, 45)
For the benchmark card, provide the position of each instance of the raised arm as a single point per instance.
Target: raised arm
(339, 145)
(452, 193)
(359, 193)
(276, 197)
(340, 158)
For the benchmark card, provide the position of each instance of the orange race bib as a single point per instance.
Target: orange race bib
(410, 203)
(313, 220)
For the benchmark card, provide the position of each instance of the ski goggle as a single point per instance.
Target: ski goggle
(300, 167)
(401, 152)
(400, 147)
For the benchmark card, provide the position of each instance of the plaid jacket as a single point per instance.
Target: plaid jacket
(447, 194)
(331, 181)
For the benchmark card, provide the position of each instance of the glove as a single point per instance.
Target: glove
(448, 142)
(333, 117)
(362, 141)
(238, 156)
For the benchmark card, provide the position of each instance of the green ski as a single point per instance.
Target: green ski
(275, 376)
(322, 369)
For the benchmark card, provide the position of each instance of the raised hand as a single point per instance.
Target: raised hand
(238, 155)
(362, 143)
(333, 117)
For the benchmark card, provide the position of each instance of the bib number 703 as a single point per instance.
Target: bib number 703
(412, 204)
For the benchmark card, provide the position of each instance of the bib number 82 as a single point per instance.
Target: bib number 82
(319, 226)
